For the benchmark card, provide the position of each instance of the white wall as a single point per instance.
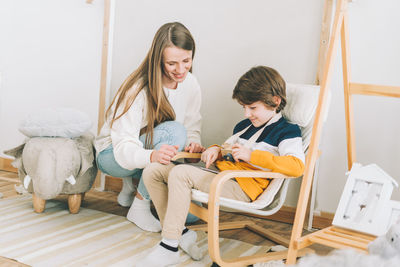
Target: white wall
(50, 56)
(231, 36)
(375, 59)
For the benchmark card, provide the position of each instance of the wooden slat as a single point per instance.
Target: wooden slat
(333, 244)
(334, 233)
(356, 238)
(343, 240)
(375, 90)
(353, 233)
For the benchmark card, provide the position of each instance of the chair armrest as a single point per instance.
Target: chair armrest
(229, 174)
(222, 177)
(187, 155)
(234, 173)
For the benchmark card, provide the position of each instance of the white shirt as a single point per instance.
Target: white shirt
(129, 151)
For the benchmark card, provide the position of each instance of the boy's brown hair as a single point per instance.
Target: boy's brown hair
(261, 84)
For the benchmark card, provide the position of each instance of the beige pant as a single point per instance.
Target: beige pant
(170, 187)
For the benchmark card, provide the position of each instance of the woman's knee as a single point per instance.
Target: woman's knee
(105, 164)
(172, 133)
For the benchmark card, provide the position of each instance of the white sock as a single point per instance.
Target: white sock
(125, 197)
(140, 214)
(189, 245)
(159, 257)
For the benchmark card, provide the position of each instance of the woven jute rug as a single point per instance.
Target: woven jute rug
(89, 238)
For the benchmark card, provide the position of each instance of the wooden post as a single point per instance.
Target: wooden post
(348, 99)
(324, 38)
(103, 77)
(104, 61)
(316, 134)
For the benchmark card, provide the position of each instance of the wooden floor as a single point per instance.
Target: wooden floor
(107, 202)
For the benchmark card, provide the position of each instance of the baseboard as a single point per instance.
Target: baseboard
(5, 165)
(285, 214)
(113, 184)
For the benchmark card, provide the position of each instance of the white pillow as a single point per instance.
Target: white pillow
(302, 101)
(52, 122)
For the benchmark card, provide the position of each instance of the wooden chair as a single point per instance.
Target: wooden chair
(302, 101)
(296, 245)
(334, 236)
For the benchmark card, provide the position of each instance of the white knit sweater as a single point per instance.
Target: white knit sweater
(129, 152)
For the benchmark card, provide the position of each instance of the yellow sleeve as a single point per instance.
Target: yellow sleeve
(288, 165)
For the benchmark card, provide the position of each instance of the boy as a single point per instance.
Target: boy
(263, 141)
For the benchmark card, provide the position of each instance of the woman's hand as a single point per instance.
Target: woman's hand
(210, 155)
(164, 154)
(194, 148)
(240, 152)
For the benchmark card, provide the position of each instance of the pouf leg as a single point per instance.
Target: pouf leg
(74, 203)
(38, 204)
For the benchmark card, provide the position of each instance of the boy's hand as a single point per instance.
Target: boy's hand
(194, 148)
(210, 155)
(164, 154)
(240, 152)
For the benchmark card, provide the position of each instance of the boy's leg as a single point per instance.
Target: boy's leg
(155, 177)
(171, 133)
(181, 180)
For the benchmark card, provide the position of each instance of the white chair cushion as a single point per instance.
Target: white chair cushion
(60, 122)
(302, 101)
(261, 202)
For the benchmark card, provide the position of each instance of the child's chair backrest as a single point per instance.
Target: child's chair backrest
(302, 101)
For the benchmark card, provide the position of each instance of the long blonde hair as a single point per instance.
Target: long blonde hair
(149, 77)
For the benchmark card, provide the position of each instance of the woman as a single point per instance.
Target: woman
(155, 113)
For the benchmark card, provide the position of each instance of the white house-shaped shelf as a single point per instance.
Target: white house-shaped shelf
(365, 200)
